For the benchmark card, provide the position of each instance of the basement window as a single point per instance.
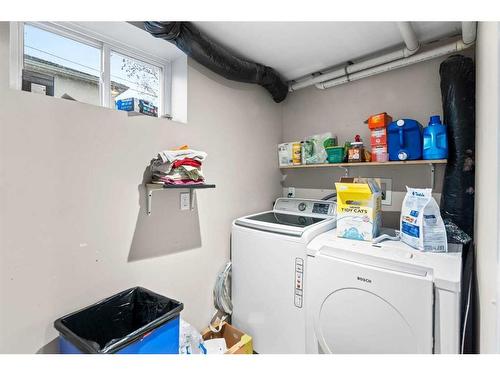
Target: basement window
(54, 60)
(61, 67)
(134, 78)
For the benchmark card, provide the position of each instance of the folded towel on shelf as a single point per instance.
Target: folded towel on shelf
(182, 166)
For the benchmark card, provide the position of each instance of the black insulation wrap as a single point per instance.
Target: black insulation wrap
(199, 47)
(115, 322)
(458, 95)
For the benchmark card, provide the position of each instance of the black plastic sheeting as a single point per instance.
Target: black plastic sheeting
(193, 43)
(117, 321)
(458, 94)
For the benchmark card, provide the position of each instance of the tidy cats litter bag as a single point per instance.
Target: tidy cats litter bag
(421, 224)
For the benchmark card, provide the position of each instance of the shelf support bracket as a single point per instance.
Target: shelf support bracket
(346, 170)
(433, 174)
(149, 197)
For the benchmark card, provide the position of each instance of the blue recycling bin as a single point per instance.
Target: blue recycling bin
(135, 321)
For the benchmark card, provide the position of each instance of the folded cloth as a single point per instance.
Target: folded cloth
(184, 172)
(164, 162)
(169, 181)
(173, 155)
(186, 161)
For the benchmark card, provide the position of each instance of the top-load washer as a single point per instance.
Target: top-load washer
(268, 255)
(381, 298)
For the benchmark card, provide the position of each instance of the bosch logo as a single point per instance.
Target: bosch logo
(364, 279)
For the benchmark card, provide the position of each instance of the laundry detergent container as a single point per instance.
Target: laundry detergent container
(135, 321)
(404, 140)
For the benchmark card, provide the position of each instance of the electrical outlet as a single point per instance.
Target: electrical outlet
(386, 187)
(185, 201)
(291, 192)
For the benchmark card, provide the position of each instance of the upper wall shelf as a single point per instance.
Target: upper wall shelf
(369, 164)
(345, 166)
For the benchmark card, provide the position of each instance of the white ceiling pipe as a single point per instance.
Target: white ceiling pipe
(469, 32)
(409, 36)
(412, 46)
(446, 49)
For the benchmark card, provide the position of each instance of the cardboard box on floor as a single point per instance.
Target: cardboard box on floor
(237, 341)
(359, 206)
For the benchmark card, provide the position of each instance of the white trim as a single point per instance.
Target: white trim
(167, 90)
(105, 84)
(16, 50)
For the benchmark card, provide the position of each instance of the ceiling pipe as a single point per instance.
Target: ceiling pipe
(469, 30)
(409, 36)
(411, 47)
(468, 39)
(446, 49)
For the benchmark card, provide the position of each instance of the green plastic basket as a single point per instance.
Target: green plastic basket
(335, 154)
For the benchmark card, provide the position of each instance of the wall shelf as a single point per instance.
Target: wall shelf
(345, 166)
(368, 164)
(150, 188)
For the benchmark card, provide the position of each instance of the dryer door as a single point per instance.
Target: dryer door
(359, 308)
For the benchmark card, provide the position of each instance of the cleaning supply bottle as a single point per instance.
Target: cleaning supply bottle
(404, 140)
(435, 140)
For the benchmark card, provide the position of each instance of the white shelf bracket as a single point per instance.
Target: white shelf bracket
(149, 196)
(346, 170)
(433, 174)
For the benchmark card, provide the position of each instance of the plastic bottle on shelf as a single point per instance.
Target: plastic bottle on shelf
(435, 140)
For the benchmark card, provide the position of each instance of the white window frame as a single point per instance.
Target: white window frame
(105, 45)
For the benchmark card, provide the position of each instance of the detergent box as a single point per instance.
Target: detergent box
(359, 215)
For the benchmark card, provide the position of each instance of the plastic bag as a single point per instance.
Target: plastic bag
(421, 224)
(313, 148)
(190, 340)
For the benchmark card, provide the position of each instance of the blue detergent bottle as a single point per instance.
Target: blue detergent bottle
(435, 140)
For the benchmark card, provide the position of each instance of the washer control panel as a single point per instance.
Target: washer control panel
(310, 207)
(299, 283)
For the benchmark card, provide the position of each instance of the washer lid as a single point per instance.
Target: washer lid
(285, 219)
(291, 225)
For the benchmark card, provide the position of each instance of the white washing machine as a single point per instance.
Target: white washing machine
(268, 256)
(383, 298)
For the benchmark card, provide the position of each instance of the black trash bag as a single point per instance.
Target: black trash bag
(193, 43)
(458, 94)
(113, 323)
(454, 234)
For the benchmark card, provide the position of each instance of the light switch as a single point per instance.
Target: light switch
(184, 201)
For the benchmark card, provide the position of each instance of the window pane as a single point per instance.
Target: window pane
(74, 67)
(132, 78)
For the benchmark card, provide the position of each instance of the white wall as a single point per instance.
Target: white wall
(411, 92)
(73, 227)
(487, 183)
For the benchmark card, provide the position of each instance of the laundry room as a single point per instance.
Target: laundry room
(268, 185)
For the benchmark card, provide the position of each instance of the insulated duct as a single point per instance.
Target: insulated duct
(200, 48)
(458, 94)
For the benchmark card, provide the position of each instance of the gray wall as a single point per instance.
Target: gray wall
(73, 227)
(487, 183)
(411, 92)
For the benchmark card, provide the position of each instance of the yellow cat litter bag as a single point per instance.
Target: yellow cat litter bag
(359, 209)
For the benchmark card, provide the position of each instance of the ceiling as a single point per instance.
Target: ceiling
(125, 33)
(296, 49)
